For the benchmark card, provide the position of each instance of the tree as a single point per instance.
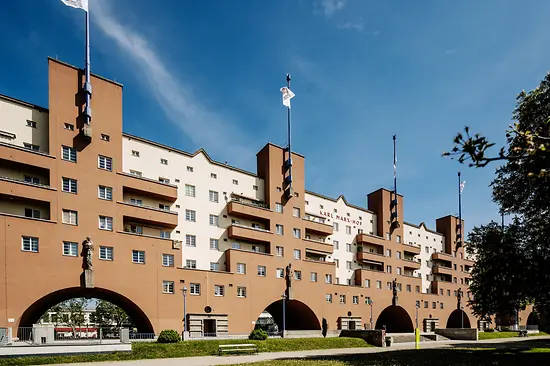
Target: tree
(106, 315)
(74, 311)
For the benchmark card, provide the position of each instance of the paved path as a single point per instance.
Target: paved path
(267, 356)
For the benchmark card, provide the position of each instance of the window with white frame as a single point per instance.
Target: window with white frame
(32, 213)
(313, 277)
(106, 253)
(378, 284)
(164, 180)
(399, 270)
(164, 234)
(190, 240)
(69, 126)
(348, 229)
(398, 254)
(328, 278)
(296, 233)
(342, 299)
(398, 238)
(348, 264)
(190, 263)
(213, 220)
(355, 300)
(105, 223)
(337, 280)
(138, 256)
(69, 185)
(241, 291)
(261, 271)
(214, 266)
(337, 263)
(164, 207)
(297, 254)
(167, 260)
(348, 247)
(32, 147)
(136, 201)
(30, 179)
(136, 229)
(194, 288)
(241, 268)
(218, 290)
(70, 217)
(213, 196)
(189, 190)
(235, 245)
(280, 251)
(279, 230)
(296, 212)
(335, 226)
(68, 153)
(105, 193)
(298, 275)
(278, 208)
(70, 248)
(388, 269)
(328, 298)
(214, 244)
(280, 273)
(190, 215)
(104, 162)
(168, 287)
(164, 161)
(336, 244)
(388, 252)
(348, 281)
(367, 283)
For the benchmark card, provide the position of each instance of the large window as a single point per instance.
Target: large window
(69, 185)
(213, 220)
(189, 190)
(241, 268)
(105, 163)
(138, 256)
(70, 248)
(213, 196)
(190, 263)
(194, 289)
(70, 217)
(218, 290)
(105, 193)
(190, 215)
(241, 291)
(214, 244)
(261, 271)
(168, 287)
(105, 223)
(297, 254)
(106, 253)
(190, 240)
(167, 260)
(68, 153)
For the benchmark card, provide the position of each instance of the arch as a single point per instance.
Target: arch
(39, 307)
(396, 319)
(458, 319)
(533, 319)
(298, 315)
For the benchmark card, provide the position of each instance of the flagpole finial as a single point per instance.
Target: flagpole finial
(394, 137)
(459, 174)
(287, 77)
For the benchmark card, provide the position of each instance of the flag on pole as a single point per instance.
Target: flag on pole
(287, 96)
(79, 4)
(462, 184)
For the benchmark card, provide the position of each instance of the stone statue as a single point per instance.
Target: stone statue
(394, 287)
(289, 274)
(459, 298)
(87, 253)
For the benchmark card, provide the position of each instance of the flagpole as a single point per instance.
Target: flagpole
(394, 166)
(289, 137)
(88, 85)
(460, 210)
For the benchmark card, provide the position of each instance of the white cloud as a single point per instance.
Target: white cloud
(203, 127)
(330, 7)
(349, 25)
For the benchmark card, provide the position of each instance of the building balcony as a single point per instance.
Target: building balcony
(412, 276)
(249, 233)
(443, 270)
(363, 238)
(32, 191)
(440, 256)
(149, 215)
(412, 249)
(248, 209)
(411, 264)
(371, 258)
(22, 155)
(317, 246)
(148, 187)
(317, 227)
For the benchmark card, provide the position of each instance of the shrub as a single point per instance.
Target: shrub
(325, 327)
(168, 336)
(505, 329)
(258, 334)
(489, 330)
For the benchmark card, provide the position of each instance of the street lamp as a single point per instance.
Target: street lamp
(184, 290)
(370, 302)
(284, 315)
(417, 307)
(462, 317)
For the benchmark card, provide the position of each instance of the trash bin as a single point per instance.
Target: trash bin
(389, 341)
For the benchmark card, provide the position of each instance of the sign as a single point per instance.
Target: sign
(340, 218)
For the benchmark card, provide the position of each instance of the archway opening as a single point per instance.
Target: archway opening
(533, 319)
(36, 312)
(298, 315)
(395, 319)
(458, 319)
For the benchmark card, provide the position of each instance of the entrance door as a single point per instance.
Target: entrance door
(209, 327)
(351, 325)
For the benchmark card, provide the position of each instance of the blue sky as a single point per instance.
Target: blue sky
(207, 74)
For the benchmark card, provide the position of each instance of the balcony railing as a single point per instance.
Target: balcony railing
(252, 203)
(22, 181)
(130, 232)
(251, 228)
(148, 207)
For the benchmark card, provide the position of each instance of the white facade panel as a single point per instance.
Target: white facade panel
(24, 126)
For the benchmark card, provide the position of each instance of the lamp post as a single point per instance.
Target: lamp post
(462, 317)
(184, 290)
(416, 308)
(284, 315)
(370, 302)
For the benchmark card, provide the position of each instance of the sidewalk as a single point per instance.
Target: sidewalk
(229, 360)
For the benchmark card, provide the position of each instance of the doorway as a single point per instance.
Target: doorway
(209, 327)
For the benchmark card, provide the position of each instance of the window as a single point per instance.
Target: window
(214, 266)
(218, 290)
(441, 291)
(164, 234)
(256, 248)
(388, 285)
(68, 153)
(441, 305)
(190, 263)
(241, 268)
(105, 193)
(33, 180)
(335, 226)
(138, 256)
(136, 201)
(297, 254)
(105, 223)
(280, 273)
(32, 213)
(164, 180)
(279, 229)
(261, 271)
(70, 217)
(355, 300)
(190, 169)
(448, 292)
(348, 264)
(398, 238)
(321, 207)
(135, 172)
(105, 163)
(337, 263)
(280, 251)
(69, 185)
(189, 190)
(336, 244)
(348, 247)
(255, 188)
(236, 245)
(235, 182)
(298, 275)
(342, 299)
(328, 278)
(388, 252)
(194, 289)
(167, 260)
(213, 220)
(348, 229)
(214, 244)
(328, 297)
(378, 284)
(398, 254)
(167, 287)
(69, 126)
(454, 266)
(105, 137)
(212, 196)
(164, 207)
(31, 146)
(190, 240)
(135, 153)
(427, 249)
(434, 306)
(213, 176)
(367, 283)
(278, 208)
(296, 212)
(163, 161)
(399, 270)
(409, 288)
(425, 304)
(387, 236)
(296, 233)
(190, 215)
(106, 253)
(313, 277)
(241, 291)
(70, 248)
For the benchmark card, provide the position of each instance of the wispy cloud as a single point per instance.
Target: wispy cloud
(203, 127)
(330, 7)
(349, 25)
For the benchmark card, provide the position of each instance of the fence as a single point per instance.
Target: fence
(41, 334)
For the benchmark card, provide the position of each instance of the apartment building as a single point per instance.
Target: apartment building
(163, 220)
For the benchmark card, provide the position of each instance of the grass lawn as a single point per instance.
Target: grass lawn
(192, 348)
(494, 335)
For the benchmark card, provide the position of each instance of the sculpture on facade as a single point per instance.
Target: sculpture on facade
(394, 287)
(87, 253)
(459, 298)
(288, 276)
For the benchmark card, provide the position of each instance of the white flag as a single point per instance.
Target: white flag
(462, 184)
(287, 96)
(79, 4)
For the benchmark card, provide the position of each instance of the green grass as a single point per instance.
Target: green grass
(191, 349)
(495, 335)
